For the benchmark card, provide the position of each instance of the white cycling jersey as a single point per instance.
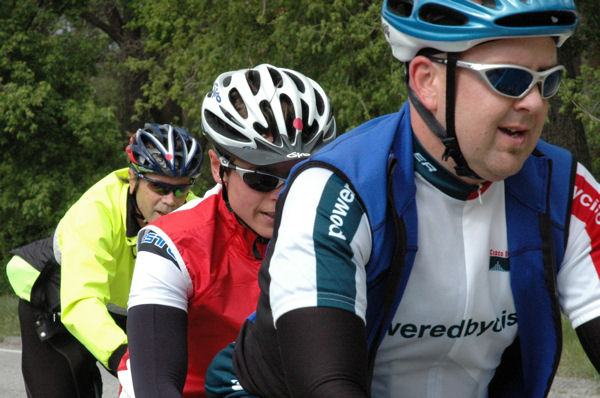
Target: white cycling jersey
(457, 314)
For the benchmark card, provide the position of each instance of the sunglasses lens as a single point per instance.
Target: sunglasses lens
(509, 81)
(551, 84)
(165, 189)
(261, 182)
(181, 191)
(159, 188)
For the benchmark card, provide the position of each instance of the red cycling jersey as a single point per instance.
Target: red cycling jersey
(202, 260)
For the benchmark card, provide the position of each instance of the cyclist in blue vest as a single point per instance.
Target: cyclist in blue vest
(428, 253)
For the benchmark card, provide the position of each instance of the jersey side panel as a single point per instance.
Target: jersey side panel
(578, 277)
(320, 260)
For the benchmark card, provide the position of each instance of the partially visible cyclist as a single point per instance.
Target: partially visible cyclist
(73, 286)
(196, 273)
(433, 248)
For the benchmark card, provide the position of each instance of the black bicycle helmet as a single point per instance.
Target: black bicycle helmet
(165, 149)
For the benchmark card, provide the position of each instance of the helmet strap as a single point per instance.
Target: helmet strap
(138, 213)
(224, 189)
(446, 135)
(259, 239)
(451, 142)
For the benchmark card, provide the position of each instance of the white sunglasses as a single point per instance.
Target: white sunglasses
(513, 81)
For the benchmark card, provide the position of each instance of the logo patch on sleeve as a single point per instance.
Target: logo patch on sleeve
(151, 242)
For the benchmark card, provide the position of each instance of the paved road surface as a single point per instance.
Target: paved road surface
(11, 382)
(568, 387)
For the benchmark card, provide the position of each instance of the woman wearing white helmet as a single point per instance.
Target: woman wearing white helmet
(196, 279)
(428, 253)
(265, 119)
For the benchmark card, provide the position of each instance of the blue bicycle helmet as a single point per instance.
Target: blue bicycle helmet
(453, 26)
(165, 149)
(457, 25)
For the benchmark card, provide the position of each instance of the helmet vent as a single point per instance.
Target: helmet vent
(309, 130)
(320, 103)
(222, 128)
(275, 77)
(549, 18)
(158, 158)
(297, 82)
(401, 8)
(227, 81)
(253, 79)
(490, 3)
(440, 15)
(288, 114)
(230, 117)
(270, 131)
(236, 99)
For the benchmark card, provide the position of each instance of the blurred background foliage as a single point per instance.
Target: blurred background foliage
(77, 77)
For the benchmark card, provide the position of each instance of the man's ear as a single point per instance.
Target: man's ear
(215, 165)
(132, 180)
(427, 81)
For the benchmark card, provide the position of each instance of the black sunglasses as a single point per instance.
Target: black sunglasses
(164, 188)
(514, 81)
(255, 179)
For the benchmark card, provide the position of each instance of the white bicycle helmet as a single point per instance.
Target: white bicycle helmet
(165, 149)
(267, 115)
(457, 25)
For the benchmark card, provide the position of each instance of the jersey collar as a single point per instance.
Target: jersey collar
(440, 177)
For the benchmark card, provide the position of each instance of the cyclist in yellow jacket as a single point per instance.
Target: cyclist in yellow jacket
(73, 286)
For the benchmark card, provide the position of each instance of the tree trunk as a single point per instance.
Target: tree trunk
(107, 17)
(564, 129)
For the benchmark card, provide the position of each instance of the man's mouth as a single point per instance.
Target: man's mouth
(512, 132)
(162, 212)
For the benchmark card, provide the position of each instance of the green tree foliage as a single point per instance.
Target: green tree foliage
(76, 76)
(581, 94)
(54, 140)
(338, 43)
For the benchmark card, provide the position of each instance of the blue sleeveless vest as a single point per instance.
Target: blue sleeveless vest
(538, 204)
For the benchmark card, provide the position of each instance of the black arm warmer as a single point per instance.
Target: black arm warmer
(589, 336)
(324, 353)
(115, 359)
(157, 337)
